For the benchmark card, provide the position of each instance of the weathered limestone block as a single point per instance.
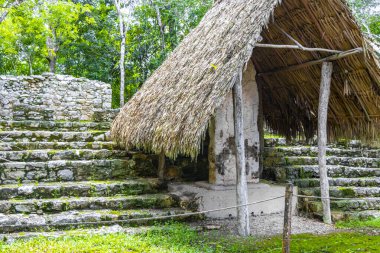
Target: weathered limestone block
(105, 115)
(65, 175)
(32, 112)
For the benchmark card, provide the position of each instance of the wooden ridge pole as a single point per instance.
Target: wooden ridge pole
(324, 94)
(299, 47)
(241, 176)
(314, 62)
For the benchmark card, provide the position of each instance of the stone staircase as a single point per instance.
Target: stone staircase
(58, 175)
(353, 170)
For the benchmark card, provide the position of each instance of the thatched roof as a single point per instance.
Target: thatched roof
(171, 112)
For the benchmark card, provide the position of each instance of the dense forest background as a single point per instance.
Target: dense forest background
(83, 37)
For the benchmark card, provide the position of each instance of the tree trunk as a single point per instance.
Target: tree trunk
(241, 176)
(53, 47)
(324, 95)
(30, 63)
(122, 59)
(3, 16)
(52, 62)
(122, 31)
(159, 20)
(7, 7)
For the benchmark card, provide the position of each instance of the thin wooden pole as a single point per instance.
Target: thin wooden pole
(260, 123)
(315, 62)
(299, 47)
(241, 176)
(324, 94)
(287, 231)
(302, 47)
(161, 166)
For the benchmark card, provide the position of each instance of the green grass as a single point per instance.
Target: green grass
(272, 136)
(370, 223)
(181, 239)
(306, 243)
(172, 238)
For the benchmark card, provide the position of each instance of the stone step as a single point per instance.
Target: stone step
(280, 142)
(343, 192)
(64, 170)
(94, 218)
(81, 232)
(56, 205)
(361, 215)
(52, 154)
(364, 204)
(283, 174)
(61, 126)
(343, 144)
(342, 182)
(31, 136)
(32, 145)
(331, 160)
(272, 152)
(347, 215)
(82, 189)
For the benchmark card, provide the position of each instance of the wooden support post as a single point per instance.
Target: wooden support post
(287, 219)
(260, 123)
(161, 166)
(324, 94)
(241, 176)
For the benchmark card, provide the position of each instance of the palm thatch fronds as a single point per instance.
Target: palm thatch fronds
(171, 112)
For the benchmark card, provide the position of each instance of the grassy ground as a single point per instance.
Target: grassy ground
(372, 223)
(180, 239)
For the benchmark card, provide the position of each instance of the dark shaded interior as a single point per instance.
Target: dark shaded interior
(290, 99)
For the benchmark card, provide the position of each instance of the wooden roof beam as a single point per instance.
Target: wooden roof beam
(314, 62)
(298, 46)
(363, 107)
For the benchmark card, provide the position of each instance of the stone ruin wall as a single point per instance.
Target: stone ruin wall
(52, 97)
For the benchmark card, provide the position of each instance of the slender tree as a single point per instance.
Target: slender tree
(52, 48)
(60, 19)
(119, 6)
(125, 9)
(82, 38)
(7, 6)
(160, 24)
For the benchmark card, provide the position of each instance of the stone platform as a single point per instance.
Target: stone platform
(207, 196)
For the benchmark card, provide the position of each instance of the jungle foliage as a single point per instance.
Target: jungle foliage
(81, 37)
